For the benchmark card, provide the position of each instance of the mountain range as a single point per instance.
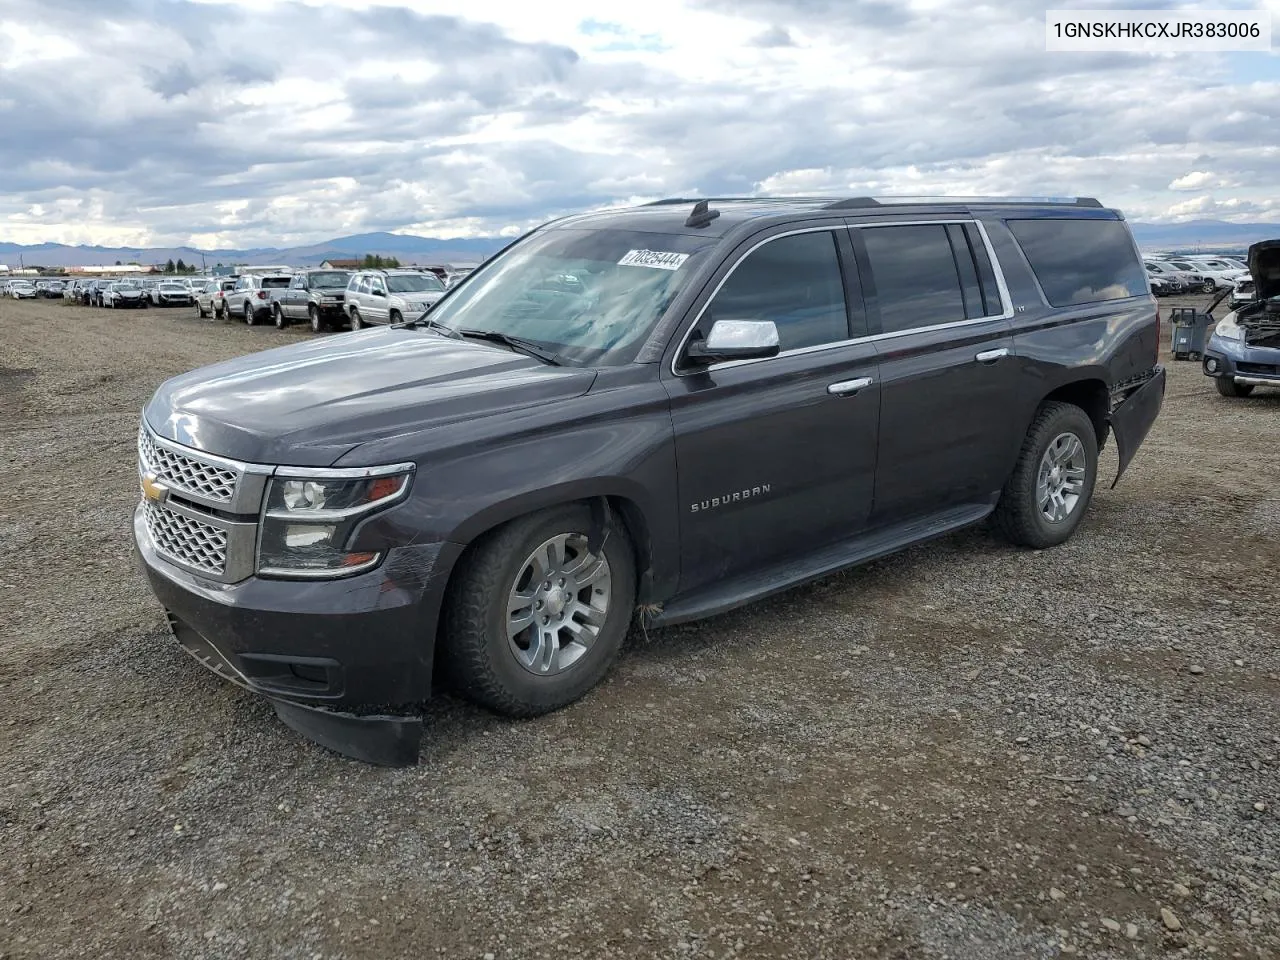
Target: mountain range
(1208, 234)
(404, 247)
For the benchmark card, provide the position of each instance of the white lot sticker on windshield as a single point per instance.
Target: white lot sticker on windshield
(657, 259)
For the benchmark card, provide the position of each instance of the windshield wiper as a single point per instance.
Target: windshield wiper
(519, 344)
(431, 324)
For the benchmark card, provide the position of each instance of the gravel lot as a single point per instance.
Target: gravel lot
(967, 751)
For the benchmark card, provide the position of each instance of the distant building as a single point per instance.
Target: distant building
(342, 265)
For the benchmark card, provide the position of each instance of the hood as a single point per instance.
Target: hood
(1264, 267)
(309, 404)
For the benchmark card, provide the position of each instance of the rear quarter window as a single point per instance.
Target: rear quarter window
(1081, 261)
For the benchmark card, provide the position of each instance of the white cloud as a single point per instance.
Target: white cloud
(265, 122)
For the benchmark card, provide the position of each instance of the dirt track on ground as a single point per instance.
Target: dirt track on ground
(965, 751)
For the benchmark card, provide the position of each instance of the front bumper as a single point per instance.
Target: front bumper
(1257, 366)
(340, 659)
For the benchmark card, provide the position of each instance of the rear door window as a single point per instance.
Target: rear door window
(916, 277)
(1081, 261)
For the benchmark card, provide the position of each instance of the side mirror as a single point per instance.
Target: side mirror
(736, 340)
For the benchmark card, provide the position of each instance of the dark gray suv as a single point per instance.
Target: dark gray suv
(677, 408)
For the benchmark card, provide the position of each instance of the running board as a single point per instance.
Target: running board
(728, 594)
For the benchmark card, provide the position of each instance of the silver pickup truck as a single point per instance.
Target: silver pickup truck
(313, 295)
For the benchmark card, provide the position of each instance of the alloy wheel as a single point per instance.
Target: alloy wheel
(1060, 478)
(557, 605)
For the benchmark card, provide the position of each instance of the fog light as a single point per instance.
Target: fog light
(1211, 365)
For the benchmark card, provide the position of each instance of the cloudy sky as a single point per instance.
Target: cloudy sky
(273, 122)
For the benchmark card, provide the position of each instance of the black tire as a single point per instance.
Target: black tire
(318, 324)
(250, 315)
(200, 311)
(1209, 285)
(278, 315)
(1229, 388)
(357, 321)
(1017, 515)
(395, 317)
(474, 646)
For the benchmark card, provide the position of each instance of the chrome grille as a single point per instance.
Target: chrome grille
(192, 542)
(183, 473)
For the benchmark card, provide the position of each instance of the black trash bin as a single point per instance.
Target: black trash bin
(1189, 331)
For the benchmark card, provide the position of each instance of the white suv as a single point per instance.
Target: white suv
(390, 296)
(250, 298)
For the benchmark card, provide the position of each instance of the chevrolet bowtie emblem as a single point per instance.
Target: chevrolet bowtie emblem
(153, 489)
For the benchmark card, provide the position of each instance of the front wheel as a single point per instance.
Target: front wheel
(535, 618)
(395, 317)
(250, 317)
(313, 314)
(1209, 286)
(357, 321)
(1229, 388)
(1052, 482)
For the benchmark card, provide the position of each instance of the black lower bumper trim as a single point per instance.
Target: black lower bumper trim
(387, 741)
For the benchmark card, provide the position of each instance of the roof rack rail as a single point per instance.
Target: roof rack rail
(852, 202)
(675, 201)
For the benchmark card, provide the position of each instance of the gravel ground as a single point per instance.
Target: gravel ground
(967, 751)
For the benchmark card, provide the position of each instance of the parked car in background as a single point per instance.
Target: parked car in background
(22, 290)
(390, 296)
(1162, 287)
(250, 298)
(124, 294)
(71, 291)
(171, 293)
(211, 300)
(54, 290)
(1223, 274)
(1243, 351)
(1189, 279)
(489, 493)
(1242, 292)
(316, 296)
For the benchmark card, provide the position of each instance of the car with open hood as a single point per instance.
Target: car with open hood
(1243, 352)
(676, 409)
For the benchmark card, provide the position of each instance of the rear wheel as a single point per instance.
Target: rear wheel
(1229, 388)
(281, 320)
(1046, 496)
(534, 617)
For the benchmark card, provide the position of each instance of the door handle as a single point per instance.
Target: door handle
(846, 387)
(991, 356)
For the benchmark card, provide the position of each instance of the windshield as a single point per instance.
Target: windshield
(592, 296)
(414, 283)
(337, 278)
(172, 286)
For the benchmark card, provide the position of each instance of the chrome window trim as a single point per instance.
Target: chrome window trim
(1006, 301)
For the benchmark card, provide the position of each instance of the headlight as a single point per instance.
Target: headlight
(310, 516)
(1228, 329)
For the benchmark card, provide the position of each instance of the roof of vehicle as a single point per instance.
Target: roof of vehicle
(716, 216)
